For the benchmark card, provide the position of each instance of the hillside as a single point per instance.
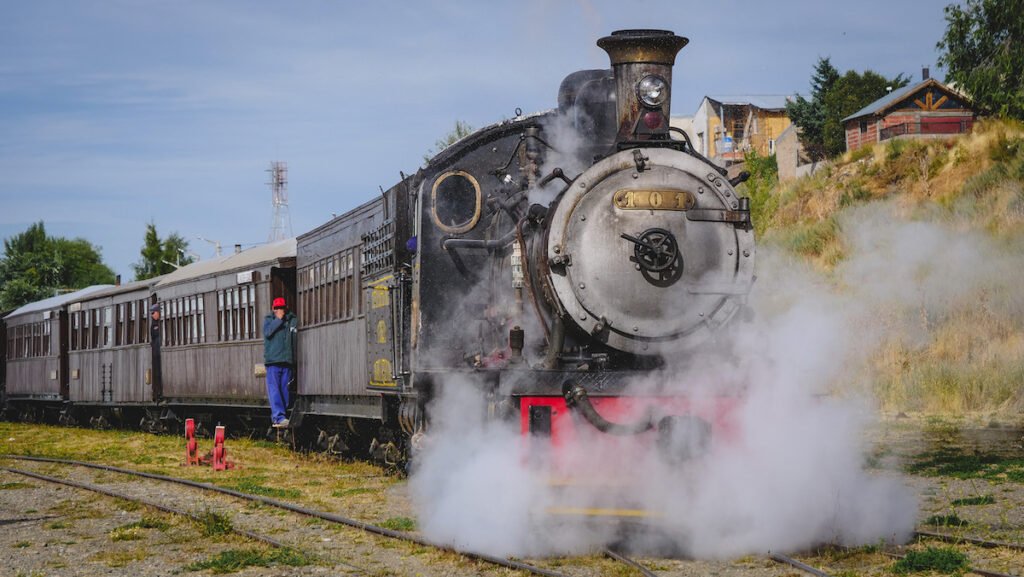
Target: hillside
(927, 237)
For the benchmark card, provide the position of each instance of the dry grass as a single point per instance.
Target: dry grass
(970, 358)
(354, 488)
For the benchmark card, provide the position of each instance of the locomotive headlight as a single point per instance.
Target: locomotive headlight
(652, 90)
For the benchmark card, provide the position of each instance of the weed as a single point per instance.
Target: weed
(215, 524)
(134, 531)
(952, 520)
(237, 559)
(942, 559)
(399, 524)
(58, 525)
(854, 194)
(16, 485)
(22, 544)
(126, 533)
(812, 239)
(979, 500)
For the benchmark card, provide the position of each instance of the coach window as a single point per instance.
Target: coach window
(108, 320)
(252, 312)
(243, 313)
(357, 278)
(143, 325)
(47, 345)
(119, 325)
(129, 326)
(202, 318)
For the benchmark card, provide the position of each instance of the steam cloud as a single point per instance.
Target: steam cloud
(791, 473)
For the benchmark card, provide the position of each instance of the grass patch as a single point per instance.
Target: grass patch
(952, 520)
(234, 560)
(254, 487)
(119, 558)
(214, 524)
(16, 485)
(58, 525)
(979, 500)
(353, 491)
(942, 559)
(950, 463)
(22, 544)
(399, 524)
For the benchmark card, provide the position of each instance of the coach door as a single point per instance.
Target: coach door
(106, 377)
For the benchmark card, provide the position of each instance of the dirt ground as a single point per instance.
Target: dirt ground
(970, 476)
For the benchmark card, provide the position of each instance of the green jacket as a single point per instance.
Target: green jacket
(279, 338)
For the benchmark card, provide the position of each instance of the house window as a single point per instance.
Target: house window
(863, 126)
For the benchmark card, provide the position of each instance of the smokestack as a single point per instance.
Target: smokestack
(643, 55)
(117, 280)
(924, 73)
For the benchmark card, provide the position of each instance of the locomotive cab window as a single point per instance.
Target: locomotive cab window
(455, 202)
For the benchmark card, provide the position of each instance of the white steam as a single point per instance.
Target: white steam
(790, 473)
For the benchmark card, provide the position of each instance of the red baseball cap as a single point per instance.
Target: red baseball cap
(278, 303)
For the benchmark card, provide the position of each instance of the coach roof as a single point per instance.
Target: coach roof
(58, 301)
(238, 261)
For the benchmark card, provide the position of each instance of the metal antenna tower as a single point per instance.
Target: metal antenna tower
(282, 226)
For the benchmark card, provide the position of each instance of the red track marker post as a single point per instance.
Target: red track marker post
(191, 446)
(219, 460)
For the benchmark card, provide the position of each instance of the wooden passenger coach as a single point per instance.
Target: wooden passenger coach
(345, 332)
(110, 358)
(37, 338)
(213, 311)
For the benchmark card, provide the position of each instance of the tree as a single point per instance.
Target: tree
(461, 130)
(851, 92)
(161, 256)
(809, 115)
(36, 266)
(983, 53)
(834, 97)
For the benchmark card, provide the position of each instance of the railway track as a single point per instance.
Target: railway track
(398, 535)
(322, 515)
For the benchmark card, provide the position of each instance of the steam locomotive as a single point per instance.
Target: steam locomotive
(551, 262)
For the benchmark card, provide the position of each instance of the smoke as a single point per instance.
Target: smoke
(787, 472)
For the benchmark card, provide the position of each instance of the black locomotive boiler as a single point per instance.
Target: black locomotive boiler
(550, 261)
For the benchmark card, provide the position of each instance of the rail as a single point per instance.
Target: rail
(323, 515)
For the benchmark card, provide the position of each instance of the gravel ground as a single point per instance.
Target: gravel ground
(54, 530)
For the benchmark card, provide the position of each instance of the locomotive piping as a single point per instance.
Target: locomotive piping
(576, 399)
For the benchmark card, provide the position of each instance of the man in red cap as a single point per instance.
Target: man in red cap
(279, 332)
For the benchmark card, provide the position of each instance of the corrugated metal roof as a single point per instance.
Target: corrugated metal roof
(762, 101)
(884, 102)
(57, 301)
(263, 253)
(123, 288)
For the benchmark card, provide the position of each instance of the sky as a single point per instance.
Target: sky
(119, 113)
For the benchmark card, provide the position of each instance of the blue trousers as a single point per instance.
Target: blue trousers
(278, 377)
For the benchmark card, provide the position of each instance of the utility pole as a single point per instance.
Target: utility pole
(282, 225)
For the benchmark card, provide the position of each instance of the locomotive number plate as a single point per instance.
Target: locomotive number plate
(653, 200)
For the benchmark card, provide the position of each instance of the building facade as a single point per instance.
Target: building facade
(926, 109)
